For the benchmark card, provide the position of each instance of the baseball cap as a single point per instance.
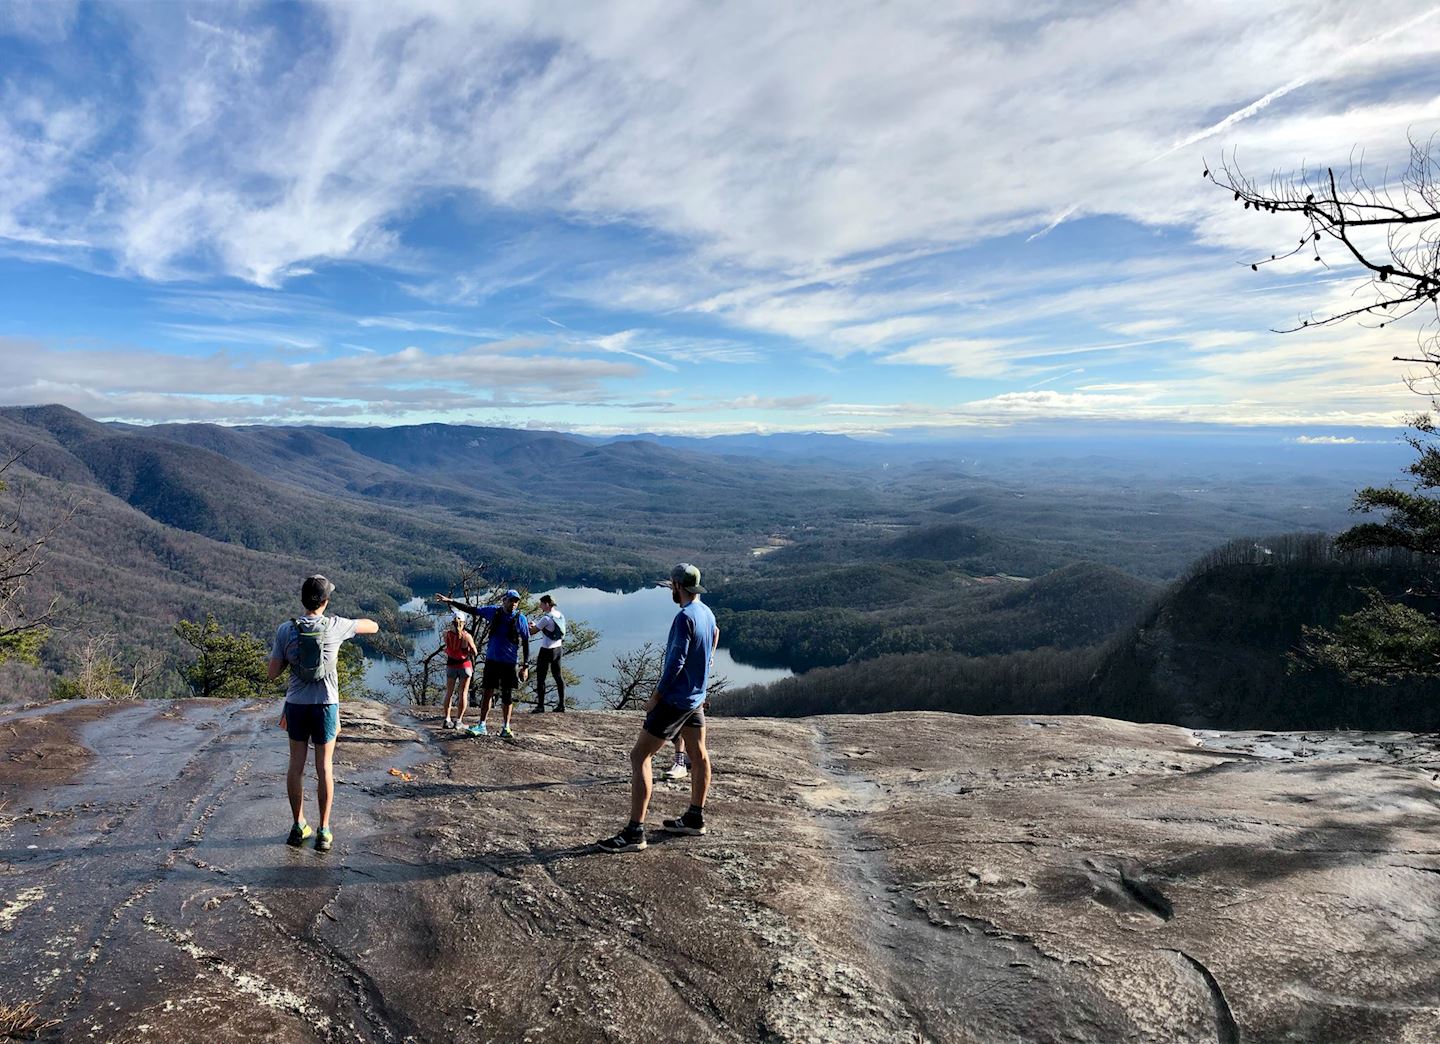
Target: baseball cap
(512, 593)
(315, 591)
(687, 577)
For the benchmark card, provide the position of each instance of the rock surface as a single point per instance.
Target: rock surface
(924, 877)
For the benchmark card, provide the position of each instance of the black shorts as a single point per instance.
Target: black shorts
(502, 676)
(666, 720)
(317, 723)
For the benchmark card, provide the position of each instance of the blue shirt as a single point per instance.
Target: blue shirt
(505, 630)
(688, 650)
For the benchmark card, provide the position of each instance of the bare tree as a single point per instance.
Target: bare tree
(1390, 230)
(102, 674)
(22, 554)
(637, 672)
(419, 671)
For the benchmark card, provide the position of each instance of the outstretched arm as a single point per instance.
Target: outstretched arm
(366, 627)
(456, 604)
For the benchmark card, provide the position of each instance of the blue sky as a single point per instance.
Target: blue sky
(701, 218)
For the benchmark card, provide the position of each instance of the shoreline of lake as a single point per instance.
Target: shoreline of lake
(625, 621)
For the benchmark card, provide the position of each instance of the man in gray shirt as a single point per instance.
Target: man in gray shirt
(309, 646)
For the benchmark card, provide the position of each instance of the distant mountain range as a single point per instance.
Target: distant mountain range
(181, 519)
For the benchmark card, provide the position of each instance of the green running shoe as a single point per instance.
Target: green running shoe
(479, 730)
(505, 733)
(323, 840)
(299, 834)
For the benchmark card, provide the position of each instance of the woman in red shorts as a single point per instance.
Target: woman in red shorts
(460, 653)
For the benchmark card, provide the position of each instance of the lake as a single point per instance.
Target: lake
(626, 621)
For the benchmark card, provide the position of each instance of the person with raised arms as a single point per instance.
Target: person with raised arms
(309, 646)
(505, 668)
(675, 708)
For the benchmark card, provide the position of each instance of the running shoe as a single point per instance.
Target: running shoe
(323, 840)
(449, 724)
(299, 834)
(690, 823)
(626, 841)
(679, 770)
(479, 729)
(505, 733)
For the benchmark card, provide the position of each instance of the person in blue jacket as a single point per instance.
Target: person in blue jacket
(677, 707)
(505, 668)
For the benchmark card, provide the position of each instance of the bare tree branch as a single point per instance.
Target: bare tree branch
(1392, 232)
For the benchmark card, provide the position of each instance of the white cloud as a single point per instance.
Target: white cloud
(819, 174)
(149, 385)
(773, 136)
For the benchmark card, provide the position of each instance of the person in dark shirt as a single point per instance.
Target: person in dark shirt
(505, 668)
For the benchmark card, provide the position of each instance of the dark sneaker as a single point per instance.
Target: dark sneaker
(323, 840)
(299, 834)
(625, 841)
(689, 823)
(537, 710)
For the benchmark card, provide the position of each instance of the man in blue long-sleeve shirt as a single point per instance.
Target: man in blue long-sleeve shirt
(677, 707)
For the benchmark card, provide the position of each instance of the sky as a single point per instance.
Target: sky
(696, 218)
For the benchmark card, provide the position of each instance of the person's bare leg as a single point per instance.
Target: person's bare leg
(699, 766)
(295, 779)
(450, 691)
(507, 707)
(641, 783)
(464, 701)
(487, 696)
(324, 780)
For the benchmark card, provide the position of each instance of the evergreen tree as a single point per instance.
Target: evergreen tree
(226, 666)
(1392, 640)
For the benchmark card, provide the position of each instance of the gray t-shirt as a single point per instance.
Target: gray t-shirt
(287, 648)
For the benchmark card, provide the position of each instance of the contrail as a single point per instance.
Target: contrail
(1240, 115)
(1059, 220)
(1294, 85)
(1058, 376)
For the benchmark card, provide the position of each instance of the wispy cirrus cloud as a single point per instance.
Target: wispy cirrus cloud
(709, 189)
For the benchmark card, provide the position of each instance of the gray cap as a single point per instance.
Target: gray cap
(315, 591)
(687, 577)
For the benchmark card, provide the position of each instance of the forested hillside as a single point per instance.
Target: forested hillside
(808, 618)
(817, 550)
(1218, 650)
